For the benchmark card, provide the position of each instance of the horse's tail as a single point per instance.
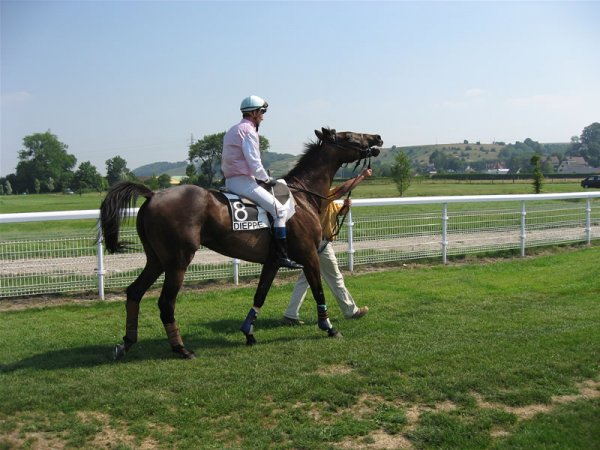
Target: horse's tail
(115, 206)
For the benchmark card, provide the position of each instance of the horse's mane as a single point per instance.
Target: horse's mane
(307, 159)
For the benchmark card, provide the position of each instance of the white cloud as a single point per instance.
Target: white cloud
(15, 98)
(475, 92)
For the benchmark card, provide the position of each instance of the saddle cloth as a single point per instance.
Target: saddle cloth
(247, 215)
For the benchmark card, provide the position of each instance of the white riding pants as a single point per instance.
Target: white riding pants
(247, 187)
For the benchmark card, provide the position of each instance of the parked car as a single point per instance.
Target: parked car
(592, 181)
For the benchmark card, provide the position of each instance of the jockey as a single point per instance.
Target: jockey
(242, 166)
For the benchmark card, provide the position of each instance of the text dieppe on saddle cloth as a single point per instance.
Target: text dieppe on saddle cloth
(247, 215)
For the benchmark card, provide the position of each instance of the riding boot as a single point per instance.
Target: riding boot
(282, 259)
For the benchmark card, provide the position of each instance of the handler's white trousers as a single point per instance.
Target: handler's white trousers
(247, 187)
(330, 272)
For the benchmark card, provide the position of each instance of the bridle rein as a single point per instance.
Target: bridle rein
(365, 156)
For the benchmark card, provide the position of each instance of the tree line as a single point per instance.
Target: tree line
(516, 157)
(44, 164)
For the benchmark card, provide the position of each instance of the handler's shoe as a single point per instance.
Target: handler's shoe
(291, 322)
(362, 311)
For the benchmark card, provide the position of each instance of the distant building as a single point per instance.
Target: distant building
(497, 169)
(576, 164)
(554, 161)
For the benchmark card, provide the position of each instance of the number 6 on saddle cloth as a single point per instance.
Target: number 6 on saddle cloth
(247, 215)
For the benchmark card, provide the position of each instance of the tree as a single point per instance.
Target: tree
(37, 186)
(590, 144)
(87, 177)
(164, 181)
(161, 182)
(538, 176)
(44, 157)
(401, 172)
(116, 170)
(444, 162)
(547, 166)
(205, 156)
(8, 187)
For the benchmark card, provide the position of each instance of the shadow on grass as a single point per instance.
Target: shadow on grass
(152, 349)
(233, 326)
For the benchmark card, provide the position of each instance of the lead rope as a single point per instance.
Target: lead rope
(340, 219)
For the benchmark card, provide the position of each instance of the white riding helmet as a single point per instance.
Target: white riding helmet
(253, 103)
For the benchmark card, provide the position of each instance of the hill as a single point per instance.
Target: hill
(469, 152)
(158, 168)
(278, 163)
(475, 155)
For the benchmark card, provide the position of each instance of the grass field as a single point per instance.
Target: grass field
(374, 188)
(501, 355)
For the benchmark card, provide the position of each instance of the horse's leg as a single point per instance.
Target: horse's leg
(267, 276)
(135, 292)
(313, 276)
(166, 304)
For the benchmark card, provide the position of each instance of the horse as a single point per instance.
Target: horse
(173, 223)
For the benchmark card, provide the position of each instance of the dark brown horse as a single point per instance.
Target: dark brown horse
(172, 224)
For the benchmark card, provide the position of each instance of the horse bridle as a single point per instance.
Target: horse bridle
(365, 154)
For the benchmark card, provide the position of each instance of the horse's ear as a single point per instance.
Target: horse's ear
(328, 131)
(326, 134)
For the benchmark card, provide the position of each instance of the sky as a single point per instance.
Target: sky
(140, 79)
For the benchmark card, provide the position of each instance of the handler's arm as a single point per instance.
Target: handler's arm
(350, 184)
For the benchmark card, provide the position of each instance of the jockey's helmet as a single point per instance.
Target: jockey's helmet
(252, 103)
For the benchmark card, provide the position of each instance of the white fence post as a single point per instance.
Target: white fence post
(350, 241)
(523, 235)
(588, 221)
(236, 271)
(445, 233)
(100, 267)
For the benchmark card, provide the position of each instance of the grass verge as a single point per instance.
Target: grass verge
(502, 355)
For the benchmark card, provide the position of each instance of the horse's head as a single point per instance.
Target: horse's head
(321, 160)
(357, 146)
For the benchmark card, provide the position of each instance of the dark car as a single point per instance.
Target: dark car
(592, 181)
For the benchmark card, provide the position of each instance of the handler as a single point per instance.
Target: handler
(242, 166)
(330, 270)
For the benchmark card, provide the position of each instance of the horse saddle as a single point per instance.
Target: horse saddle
(247, 215)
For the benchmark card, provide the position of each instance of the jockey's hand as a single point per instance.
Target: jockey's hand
(348, 202)
(271, 181)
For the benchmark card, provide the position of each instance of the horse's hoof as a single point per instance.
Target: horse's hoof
(332, 333)
(183, 352)
(119, 352)
(250, 339)
(188, 354)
